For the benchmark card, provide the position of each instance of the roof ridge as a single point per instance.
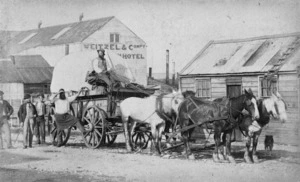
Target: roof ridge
(197, 55)
(65, 24)
(256, 38)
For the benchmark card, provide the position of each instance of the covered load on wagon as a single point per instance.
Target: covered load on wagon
(71, 71)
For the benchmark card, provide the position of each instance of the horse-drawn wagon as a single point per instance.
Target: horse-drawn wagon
(96, 108)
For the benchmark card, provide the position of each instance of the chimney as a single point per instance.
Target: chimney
(67, 49)
(150, 72)
(81, 17)
(167, 66)
(40, 24)
(13, 59)
(173, 76)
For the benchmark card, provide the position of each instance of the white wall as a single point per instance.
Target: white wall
(131, 48)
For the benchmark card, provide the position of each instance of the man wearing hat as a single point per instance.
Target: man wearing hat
(5, 112)
(27, 114)
(40, 119)
(99, 74)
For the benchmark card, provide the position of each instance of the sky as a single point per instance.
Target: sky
(184, 27)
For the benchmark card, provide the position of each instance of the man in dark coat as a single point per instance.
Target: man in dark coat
(5, 112)
(27, 114)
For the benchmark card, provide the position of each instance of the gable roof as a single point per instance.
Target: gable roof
(78, 32)
(25, 69)
(259, 54)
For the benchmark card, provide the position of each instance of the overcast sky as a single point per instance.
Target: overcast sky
(181, 26)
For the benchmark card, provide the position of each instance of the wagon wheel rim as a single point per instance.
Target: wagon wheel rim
(110, 138)
(95, 123)
(141, 139)
(65, 134)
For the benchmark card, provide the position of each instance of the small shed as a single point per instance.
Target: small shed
(264, 64)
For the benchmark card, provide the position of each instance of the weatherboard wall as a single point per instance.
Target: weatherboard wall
(288, 87)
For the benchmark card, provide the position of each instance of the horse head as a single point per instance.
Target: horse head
(276, 106)
(177, 99)
(251, 104)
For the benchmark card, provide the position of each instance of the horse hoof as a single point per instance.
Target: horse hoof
(215, 158)
(191, 157)
(255, 159)
(248, 160)
(221, 157)
(231, 160)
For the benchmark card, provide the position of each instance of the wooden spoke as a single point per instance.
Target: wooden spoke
(95, 123)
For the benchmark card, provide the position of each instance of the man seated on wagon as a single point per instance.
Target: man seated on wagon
(64, 120)
(100, 75)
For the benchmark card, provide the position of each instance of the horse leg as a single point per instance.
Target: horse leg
(228, 147)
(246, 155)
(255, 141)
(160, 129)
(126, 134)
(154, 132)
(217, 138)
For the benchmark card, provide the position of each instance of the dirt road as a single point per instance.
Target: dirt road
(75, 162)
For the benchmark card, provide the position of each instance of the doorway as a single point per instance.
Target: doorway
(235, 91)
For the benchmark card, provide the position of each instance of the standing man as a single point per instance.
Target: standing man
(40, 119)
(63, 119)
(27, 114)
(5, 112)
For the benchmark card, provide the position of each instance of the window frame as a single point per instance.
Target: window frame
(208, 89)
(113, 37)
(268, 90)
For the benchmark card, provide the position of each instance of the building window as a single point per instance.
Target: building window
(114, 38)
(27, 38)
(60, 33)
(203, 88)
(268, 86)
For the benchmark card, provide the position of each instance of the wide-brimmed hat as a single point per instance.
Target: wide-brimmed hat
(27, 96)
(102, 50)
(1, 93)
(40, 95)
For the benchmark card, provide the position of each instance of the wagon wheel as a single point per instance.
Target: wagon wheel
(110, 138)
(95, 119)
(170, 143)
(141, 137)
(65, 134)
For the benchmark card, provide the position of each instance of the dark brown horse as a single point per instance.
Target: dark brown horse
(273, 106)
(221, 114)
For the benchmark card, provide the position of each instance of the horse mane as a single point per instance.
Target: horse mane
(188, 93)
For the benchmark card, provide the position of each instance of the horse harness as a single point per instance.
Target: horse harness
(159, 108)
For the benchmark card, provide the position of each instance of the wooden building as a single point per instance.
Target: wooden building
(264, 64)
(21, 75)
(54, 42)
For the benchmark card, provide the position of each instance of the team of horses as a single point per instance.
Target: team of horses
(222, 115)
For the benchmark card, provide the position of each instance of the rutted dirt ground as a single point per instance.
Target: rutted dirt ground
(75, 162)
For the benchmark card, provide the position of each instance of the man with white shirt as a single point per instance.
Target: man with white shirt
(64, 120)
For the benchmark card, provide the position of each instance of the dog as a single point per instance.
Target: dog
(269, 142)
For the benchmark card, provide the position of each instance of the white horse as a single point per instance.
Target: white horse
(144, 110)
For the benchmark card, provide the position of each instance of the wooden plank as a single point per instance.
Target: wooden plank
(288, 77)
(187, 80)
(250, 78)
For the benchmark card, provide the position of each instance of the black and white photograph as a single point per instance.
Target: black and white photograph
(149, 90)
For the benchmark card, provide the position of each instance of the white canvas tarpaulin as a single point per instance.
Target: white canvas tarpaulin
(70, 72)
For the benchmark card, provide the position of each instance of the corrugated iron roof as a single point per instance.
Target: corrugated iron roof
(30, 61)
(77, 33)
(25, 69)
(9, 73)
(258, 54)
